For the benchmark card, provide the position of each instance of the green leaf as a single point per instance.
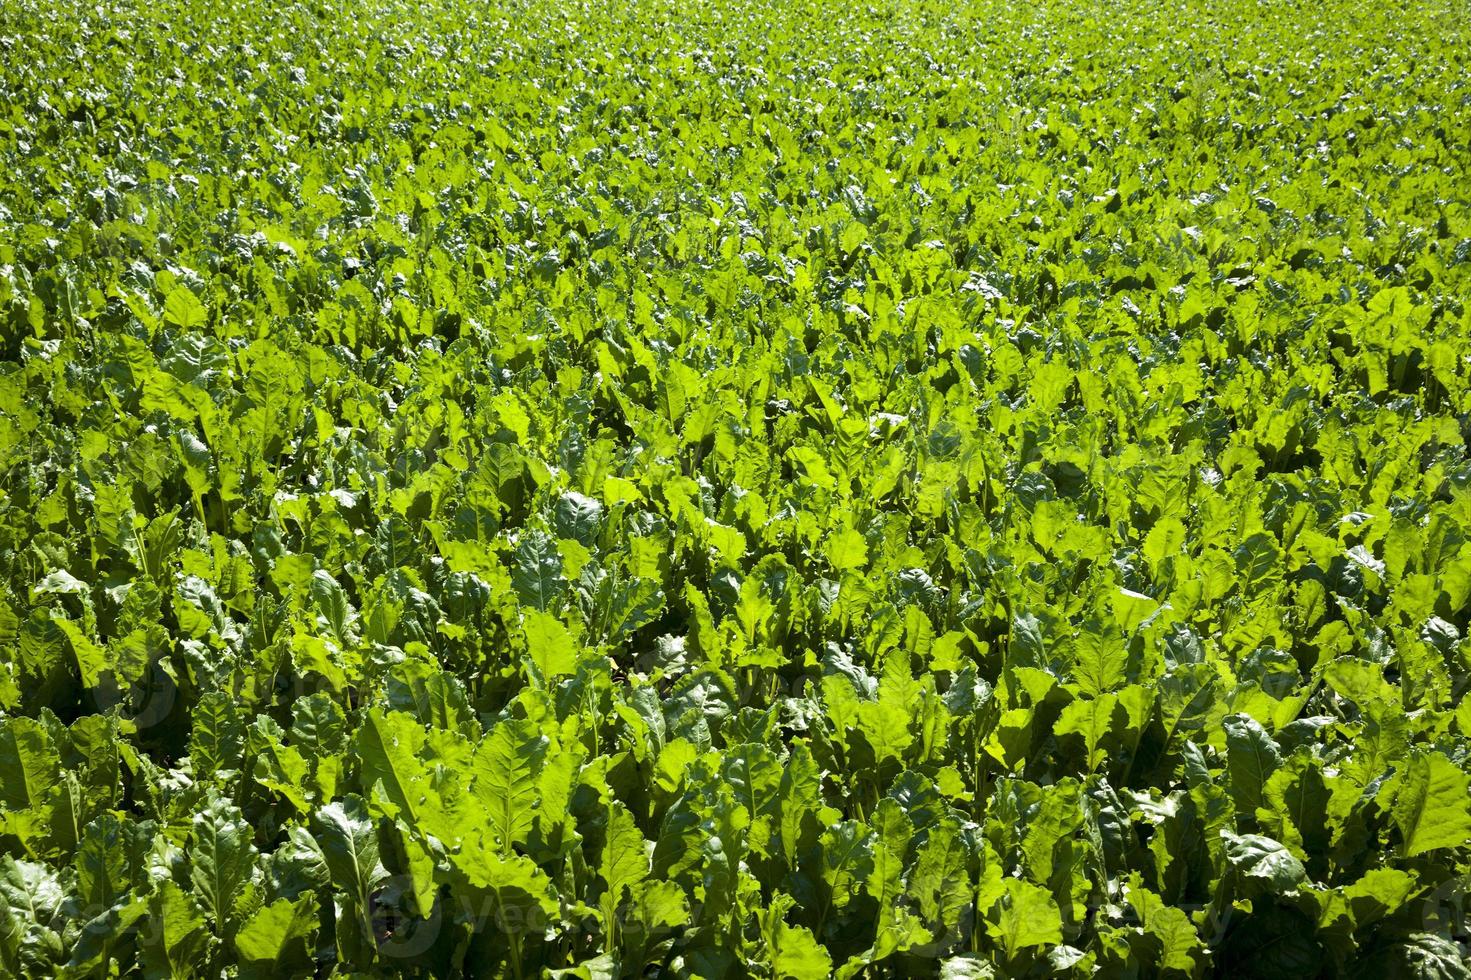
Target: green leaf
(549, 643)
(1091, 718)
(1419, 956)
(1259, 562)
(847, 860)
(793, 952)
(299, 864)
(108, 855)
(222, 859)
(655, 907)
(1176, 943)
(1380, 892)
(177, 941)
(847, 549)
(1251, 757)
(1027, 645)
(1165, 540)
(536, 574)
(624, 862)
(1186, 696)
(1264, 859)
(184, 310)
(516, 882)
(31, 891)
(800, 795)
(29, 764)
(885, 724)
(1295, 805)
(217, 738)
(754, 775)
(277, 939)
(1432, 804)
(506, 765)
(332, 604)
(103, 935)
(940, 882)
(1051, 827)
(349, 846)
(634, 604)
(387, 750)
(1100, 659)
(1025, 917)
(279, 768)
(578, 517)
(90, 658)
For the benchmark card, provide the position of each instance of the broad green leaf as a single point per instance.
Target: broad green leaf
(222, 859)
(537, 572)
(90, 658)
(1418, 956)
(332, 604)
(177, 940)
(278, 937)
(387, 747)
(1295, 805)
(1255, 856)
(634, 604)
(624, 862)
(349, 846)
(1252, 757)
(279, 768)
(217, 738)
(108, 856)
(506, 765)
(1179, 943)
(800, 795)
(791, 950)
(183, 309)
(1091, 718)
(515, 881)
(847, 860)
(31, 892)
(847, 549)
(29, 764)
(754, 775)
(1024, 918)
(549, 643)
(1100, 660)
(1432, 804)
(941, 883)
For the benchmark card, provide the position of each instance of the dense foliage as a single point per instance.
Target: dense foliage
(734, 488)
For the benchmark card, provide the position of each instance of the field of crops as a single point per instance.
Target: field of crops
(735, 488)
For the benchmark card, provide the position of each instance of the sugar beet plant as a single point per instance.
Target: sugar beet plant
(734, 489)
